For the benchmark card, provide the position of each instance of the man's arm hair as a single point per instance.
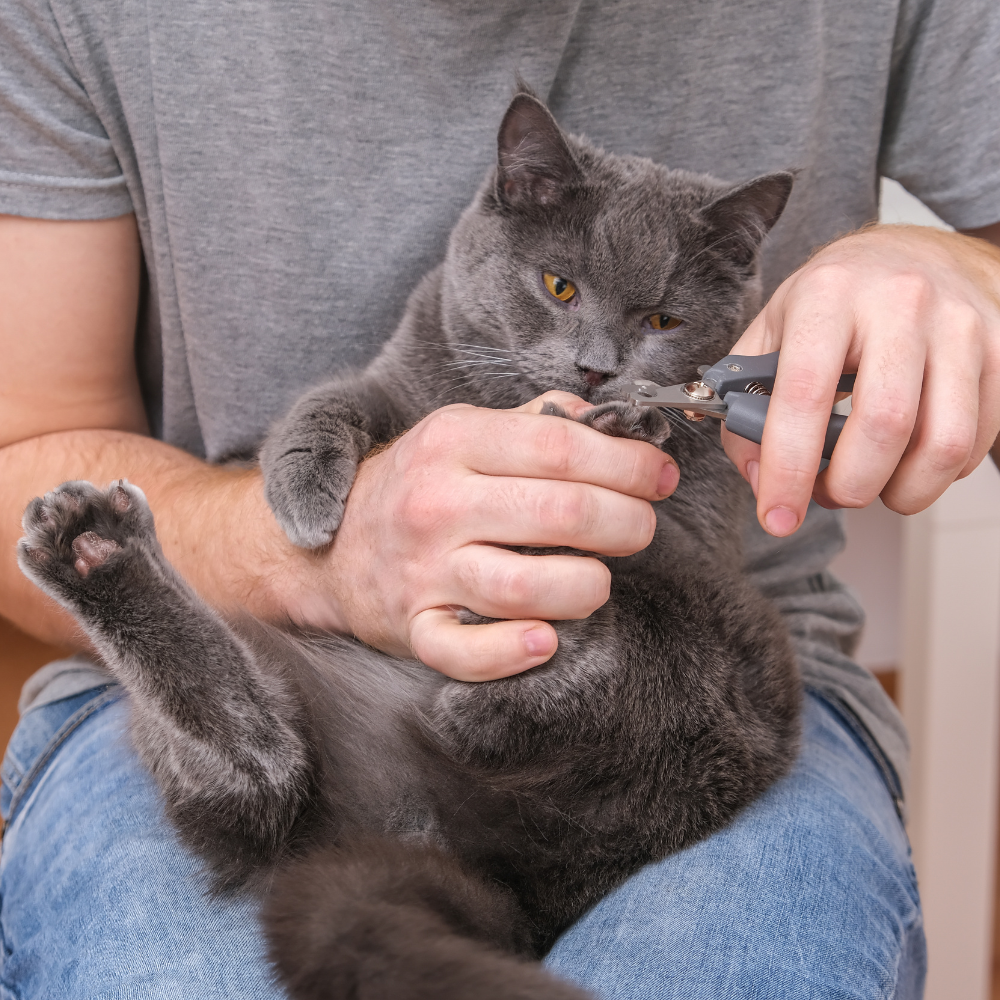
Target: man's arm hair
(70, 408)
(69, 302)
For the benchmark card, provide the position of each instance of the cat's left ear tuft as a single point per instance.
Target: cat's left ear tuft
(741, 218)
(534, 162)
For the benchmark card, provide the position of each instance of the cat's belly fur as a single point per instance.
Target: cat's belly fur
(533, 780)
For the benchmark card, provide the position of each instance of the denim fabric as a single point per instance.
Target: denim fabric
(809, 893)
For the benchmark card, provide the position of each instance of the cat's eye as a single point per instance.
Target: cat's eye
(562, 288)
(661, 321)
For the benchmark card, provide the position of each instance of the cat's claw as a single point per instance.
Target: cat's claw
(77, 529)
(618, 419)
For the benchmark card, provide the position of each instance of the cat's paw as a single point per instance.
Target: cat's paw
(306, 487)
(76, 534)
(550, 409)
(641, 423)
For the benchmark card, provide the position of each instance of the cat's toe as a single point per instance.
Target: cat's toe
(307, 497)
(77, 527)
(57, 508)
(653, 425)
(91, 551)
(550, 409)
(618, 419)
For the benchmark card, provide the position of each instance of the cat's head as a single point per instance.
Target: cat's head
(587, 270)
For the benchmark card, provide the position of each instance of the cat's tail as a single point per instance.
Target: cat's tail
(383, 920)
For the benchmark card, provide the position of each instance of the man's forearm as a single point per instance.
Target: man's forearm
(212, 522)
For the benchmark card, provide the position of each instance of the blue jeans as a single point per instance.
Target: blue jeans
(808, 893)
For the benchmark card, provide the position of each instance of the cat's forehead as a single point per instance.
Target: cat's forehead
(633, 196)
(628, 224)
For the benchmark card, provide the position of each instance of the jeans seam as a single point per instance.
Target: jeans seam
(6, 953)
(908, 929)
(109, 693)
(13, 766)
(861, 733)
(10, 989)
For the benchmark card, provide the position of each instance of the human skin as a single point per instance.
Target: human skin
(462, 478)
(414, 541)
(916, 313)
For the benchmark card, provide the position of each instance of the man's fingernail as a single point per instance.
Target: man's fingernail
(538, 641)
(670, 476)
(753, 472)
(780, 521)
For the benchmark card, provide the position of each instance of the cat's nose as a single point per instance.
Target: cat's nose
(594, 377)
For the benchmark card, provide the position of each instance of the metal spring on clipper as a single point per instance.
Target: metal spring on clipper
(756, 389)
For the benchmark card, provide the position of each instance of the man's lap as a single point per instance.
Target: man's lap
(809, 893)
(98, 898)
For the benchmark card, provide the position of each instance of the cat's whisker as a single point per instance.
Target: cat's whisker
(467, 348)
(480, 376)
(455, 378)
(679, 421)
(485, 347)
(452, 377)
(452, 381)
(467, 364)
(478, 359)
(481, 359)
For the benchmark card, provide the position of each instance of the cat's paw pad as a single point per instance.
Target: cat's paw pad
(92, 551)
(641, 423)
(307, 492)
(76, 528)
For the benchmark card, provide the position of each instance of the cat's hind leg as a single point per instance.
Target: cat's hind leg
(217, 729)
(379, 918)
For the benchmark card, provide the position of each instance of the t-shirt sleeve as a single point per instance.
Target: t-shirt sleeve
(56, 160)
(941, 138)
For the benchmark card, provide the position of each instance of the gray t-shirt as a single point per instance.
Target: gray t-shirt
(296, 166)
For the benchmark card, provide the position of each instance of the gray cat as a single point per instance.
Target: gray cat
(414, 836)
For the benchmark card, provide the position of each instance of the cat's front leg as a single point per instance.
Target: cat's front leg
(217, 729)
(309, 461)
(618, 419)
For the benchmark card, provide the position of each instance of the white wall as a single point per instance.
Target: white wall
(931, 586)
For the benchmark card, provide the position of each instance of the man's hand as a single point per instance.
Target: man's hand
(916, 313)
(427, 520)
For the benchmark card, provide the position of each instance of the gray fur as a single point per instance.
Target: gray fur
(635, 237)
(421, 837)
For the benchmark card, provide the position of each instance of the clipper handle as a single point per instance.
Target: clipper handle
(747, 414)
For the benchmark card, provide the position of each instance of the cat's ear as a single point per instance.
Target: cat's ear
(741, 218)
(534, 163)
